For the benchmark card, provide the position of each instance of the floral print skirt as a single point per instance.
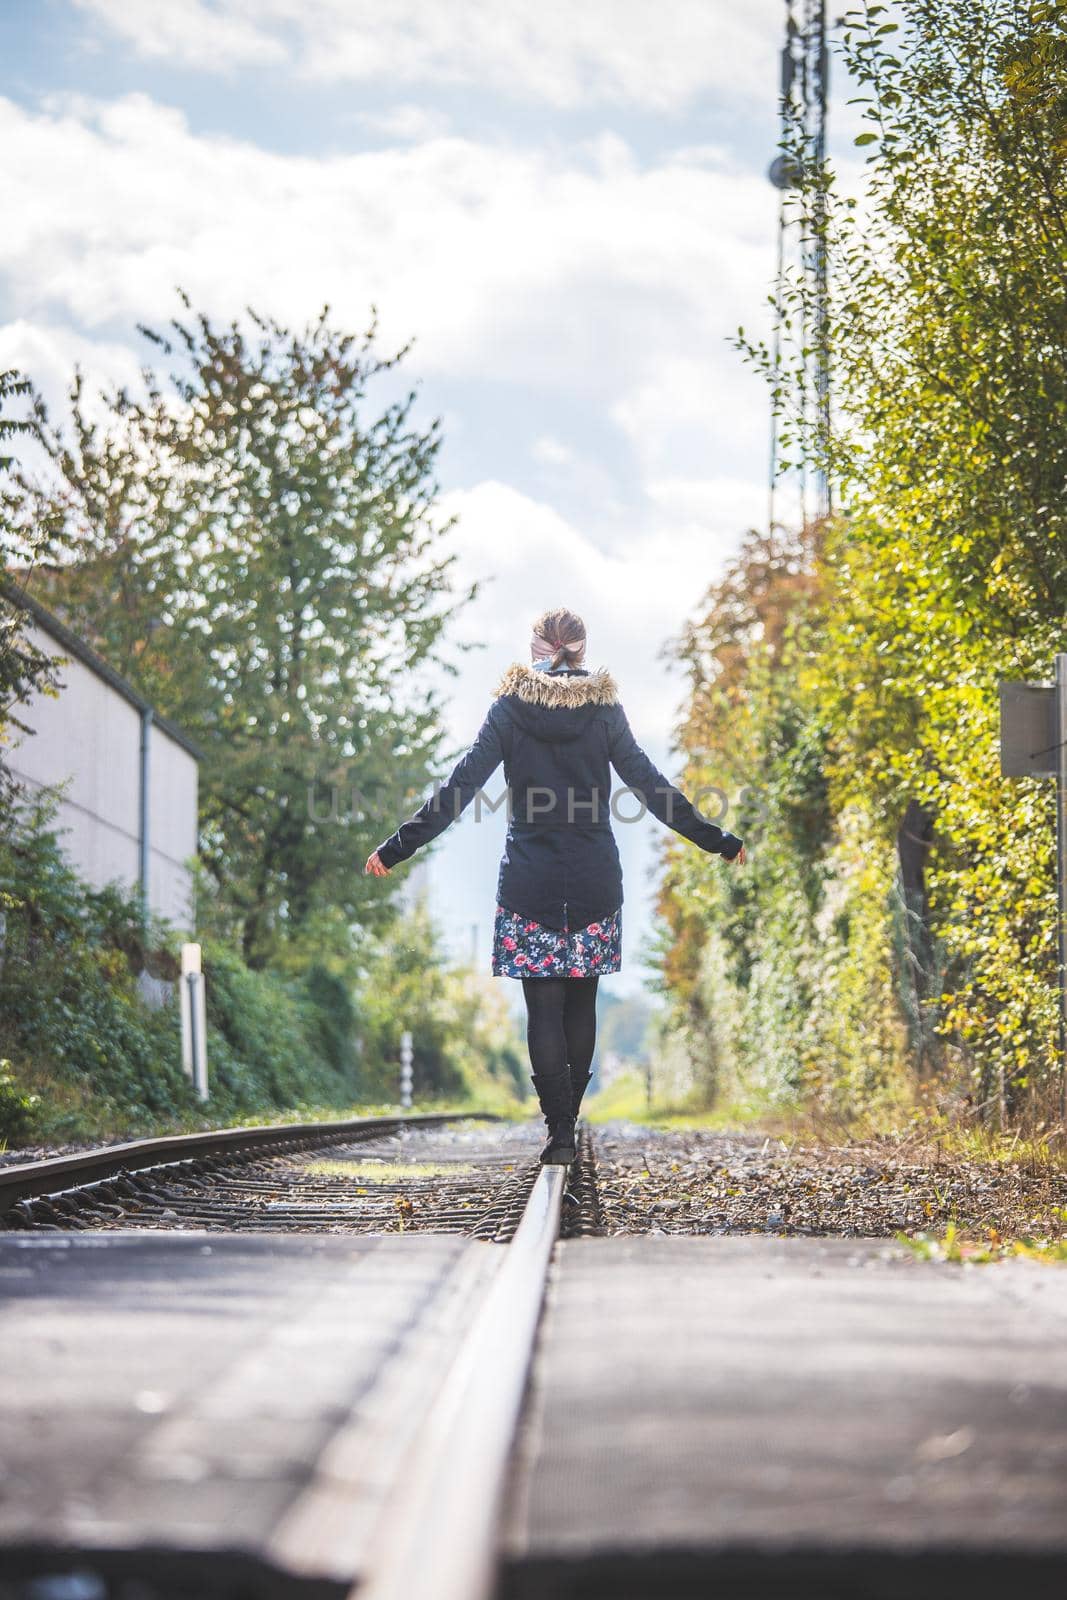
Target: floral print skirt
(525, 949)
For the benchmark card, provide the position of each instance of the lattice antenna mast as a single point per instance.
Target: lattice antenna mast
(803, 96)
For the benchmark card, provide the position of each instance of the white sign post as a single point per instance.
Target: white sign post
(194, 1019)
(405, 1070)
(1033, 744)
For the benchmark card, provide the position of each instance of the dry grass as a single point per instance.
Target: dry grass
(922, 1130)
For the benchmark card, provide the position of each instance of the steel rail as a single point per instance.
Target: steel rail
(436, 1539)
(56, 1174)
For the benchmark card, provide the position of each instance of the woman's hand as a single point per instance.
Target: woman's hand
(376, 867)
(738, 860)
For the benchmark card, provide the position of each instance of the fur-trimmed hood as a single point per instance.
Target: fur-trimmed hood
(572, 689)
(557, 707)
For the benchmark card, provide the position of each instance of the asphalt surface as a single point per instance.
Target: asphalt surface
(237, 1403)
(792, 1416)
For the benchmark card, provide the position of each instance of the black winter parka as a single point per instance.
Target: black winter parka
(557, 732)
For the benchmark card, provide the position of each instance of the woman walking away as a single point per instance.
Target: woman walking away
(558, 729)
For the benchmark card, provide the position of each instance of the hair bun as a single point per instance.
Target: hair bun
(557, 634)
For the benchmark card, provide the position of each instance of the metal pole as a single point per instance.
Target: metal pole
(194, 1032)
(194, 1019)
(201, 1023)
(1060, 736)
(144, 842)
(405, 1068)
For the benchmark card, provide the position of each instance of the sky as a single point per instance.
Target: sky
(564, 206)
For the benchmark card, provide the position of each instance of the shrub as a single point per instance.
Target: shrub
(17, 1109)
(75, 1029)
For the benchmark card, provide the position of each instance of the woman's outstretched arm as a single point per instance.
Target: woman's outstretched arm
(471, 771)
(662, 798)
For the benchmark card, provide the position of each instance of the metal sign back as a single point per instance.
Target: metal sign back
(1028, 737)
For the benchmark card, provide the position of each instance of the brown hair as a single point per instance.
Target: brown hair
(564, 631)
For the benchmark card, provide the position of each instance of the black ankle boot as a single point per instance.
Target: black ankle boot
(579, 1084)
(561, 1148)
(554, 1094)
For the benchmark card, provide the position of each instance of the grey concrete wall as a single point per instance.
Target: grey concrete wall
(90, 736)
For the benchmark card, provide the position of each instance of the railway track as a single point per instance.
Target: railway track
(348, 1177)
(434, 1426)
(56, 1190)
(255, 1377)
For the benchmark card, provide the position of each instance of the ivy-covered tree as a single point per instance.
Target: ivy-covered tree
(256, 546)
(924, 873)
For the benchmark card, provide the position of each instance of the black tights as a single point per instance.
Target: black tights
(561, 1025)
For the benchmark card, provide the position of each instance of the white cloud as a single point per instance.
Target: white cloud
(713, 510)
(219, 37)
(406, 123)
(552, 452)
(688, 400)
(49, 353)
(660, 56)
(582, 271)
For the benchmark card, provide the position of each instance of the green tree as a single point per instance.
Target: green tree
(257, 547)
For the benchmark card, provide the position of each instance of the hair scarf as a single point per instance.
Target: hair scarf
(540, 648)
